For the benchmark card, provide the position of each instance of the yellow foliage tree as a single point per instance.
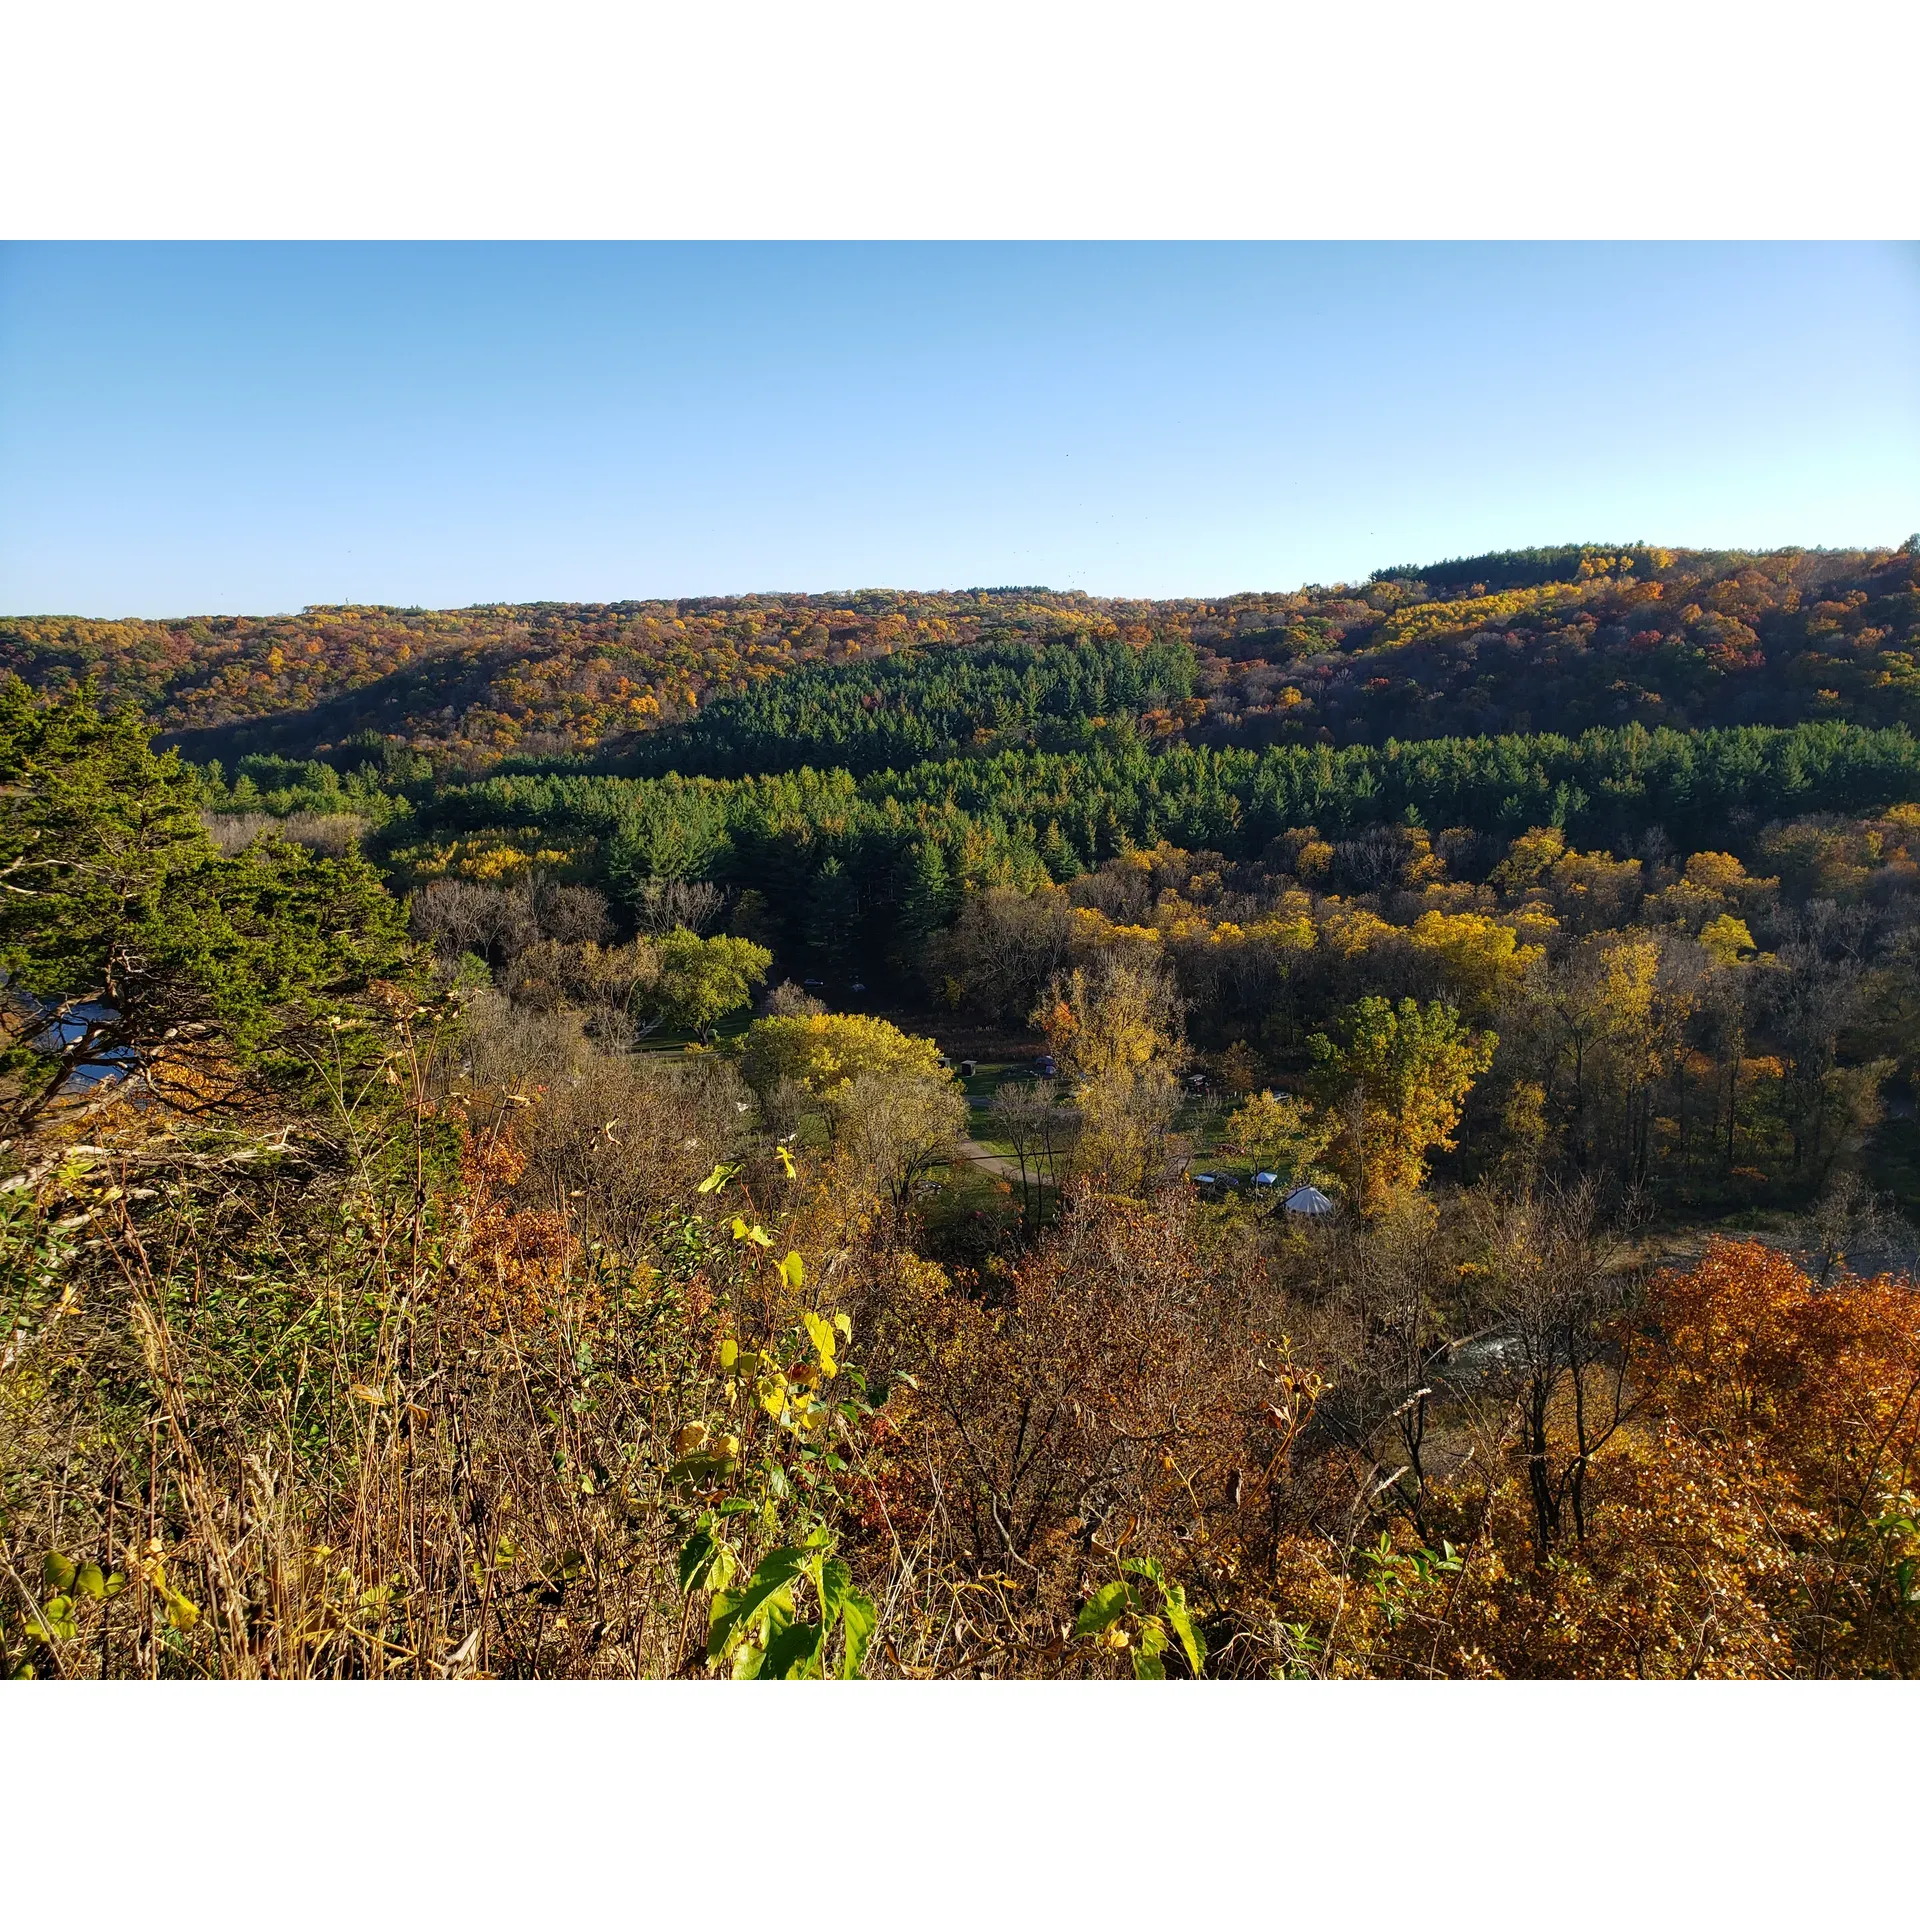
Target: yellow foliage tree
(1529, 858)
(1279, 1134)
(1114, 1029)
(1395, 1082)
(826, 1052)
(1727, 939)
(1479, 958)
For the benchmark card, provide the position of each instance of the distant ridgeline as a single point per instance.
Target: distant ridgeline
(1568, 637)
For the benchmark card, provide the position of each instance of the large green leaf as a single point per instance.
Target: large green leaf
(857, 1617)
(841, 1600)
(738, 1611)
(697, 1556)
(794, 1652)
(835, 1581)
(1192, 1642)
(1106, 1606)
(723, 1621)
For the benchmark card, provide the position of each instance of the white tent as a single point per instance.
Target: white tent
(1309, 1201)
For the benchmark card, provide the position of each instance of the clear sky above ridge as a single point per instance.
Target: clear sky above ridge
(239, 428)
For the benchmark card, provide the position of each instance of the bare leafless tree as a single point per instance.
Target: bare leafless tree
(666, 904)
(1041, 1129)
(332, 834)
(1560, 1279)
(791, 1001)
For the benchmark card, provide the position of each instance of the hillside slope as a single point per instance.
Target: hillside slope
(1566, 638)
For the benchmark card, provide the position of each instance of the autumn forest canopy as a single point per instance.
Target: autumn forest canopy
(1559, 639)
(1363, 1131)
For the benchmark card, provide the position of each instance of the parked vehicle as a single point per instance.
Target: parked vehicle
(1216, 1186)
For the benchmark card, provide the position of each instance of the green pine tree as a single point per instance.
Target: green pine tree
(126, 940)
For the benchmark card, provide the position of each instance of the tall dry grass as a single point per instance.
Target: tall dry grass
(398, 1392)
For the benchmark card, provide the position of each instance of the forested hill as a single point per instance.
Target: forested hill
(1567, 637)
(929, 704)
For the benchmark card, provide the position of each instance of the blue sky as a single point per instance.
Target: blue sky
(237, 428)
